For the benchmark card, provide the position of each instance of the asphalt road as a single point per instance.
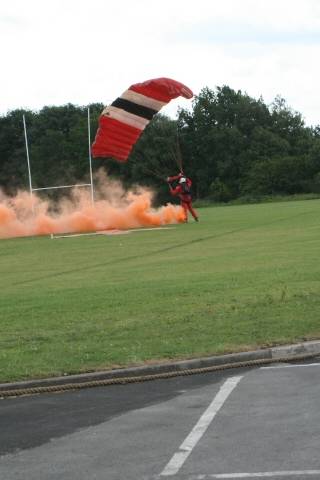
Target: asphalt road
(241, 423)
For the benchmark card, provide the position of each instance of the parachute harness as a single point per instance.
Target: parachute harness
(15, 392)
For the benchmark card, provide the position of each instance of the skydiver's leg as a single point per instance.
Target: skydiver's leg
(193, 212)
(184, 205)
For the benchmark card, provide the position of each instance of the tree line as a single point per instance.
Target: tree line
(232, 146)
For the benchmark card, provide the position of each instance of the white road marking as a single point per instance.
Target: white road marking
(287, 473)
(201, 426)
(292, 366)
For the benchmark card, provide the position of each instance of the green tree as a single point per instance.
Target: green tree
(229, 143)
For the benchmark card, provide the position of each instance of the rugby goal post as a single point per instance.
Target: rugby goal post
(78, 185)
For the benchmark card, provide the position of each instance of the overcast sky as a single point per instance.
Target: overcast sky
(58, 51)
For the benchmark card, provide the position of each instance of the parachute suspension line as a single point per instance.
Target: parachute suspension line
(175, 153)
(172, 149)
(173, 146)
(160, 168)
(154, 173)
(179, 155)
(28, 161)
(90, 158)
(174, 157)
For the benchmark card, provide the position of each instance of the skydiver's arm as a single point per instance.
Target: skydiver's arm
(175, 177)
(174, 191)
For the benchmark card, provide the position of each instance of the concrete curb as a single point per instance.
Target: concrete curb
(286, 351)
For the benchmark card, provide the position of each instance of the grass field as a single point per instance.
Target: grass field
(245, 276)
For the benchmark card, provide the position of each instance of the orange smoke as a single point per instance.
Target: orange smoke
(113, 209)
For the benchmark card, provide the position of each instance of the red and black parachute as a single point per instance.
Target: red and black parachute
(122, 122)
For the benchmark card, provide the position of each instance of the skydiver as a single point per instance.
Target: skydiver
(183, 191)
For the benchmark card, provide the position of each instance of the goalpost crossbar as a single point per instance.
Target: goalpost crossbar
(62, 186)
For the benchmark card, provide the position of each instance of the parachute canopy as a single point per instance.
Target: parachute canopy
(122, 122)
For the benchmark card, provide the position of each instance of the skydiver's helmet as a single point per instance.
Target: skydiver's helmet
(182, 180)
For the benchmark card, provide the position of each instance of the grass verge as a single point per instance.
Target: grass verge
(246, 276)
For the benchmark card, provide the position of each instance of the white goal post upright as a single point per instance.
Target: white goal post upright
(59, 186)
(28, 159)
(90, 159)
